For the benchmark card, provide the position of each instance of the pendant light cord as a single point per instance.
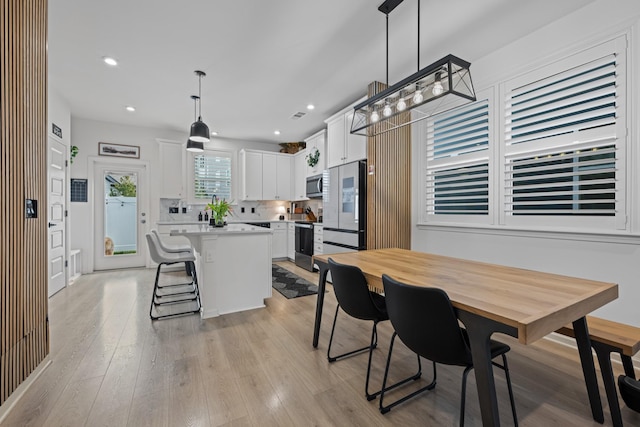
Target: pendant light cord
(418, 35)
(387, 15)
(199, 96)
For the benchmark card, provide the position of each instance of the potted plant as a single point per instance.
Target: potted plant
(219, 209)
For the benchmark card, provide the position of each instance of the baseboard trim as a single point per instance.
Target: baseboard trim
(8, 405)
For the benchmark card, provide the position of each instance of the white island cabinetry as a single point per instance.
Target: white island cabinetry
(226, 283)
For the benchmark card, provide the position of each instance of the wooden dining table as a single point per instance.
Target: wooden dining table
(489, 298)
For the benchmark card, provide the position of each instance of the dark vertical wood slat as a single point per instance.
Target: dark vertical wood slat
(23, 267)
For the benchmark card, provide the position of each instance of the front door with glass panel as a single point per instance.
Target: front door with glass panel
(119, 218)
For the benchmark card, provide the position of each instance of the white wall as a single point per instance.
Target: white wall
(605, 258)
(86, 134)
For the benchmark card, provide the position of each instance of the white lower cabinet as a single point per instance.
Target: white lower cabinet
(279, 242)
(291, 241)
(317, 241)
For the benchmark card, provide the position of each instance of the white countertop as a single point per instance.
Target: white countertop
(234, 221)
(205, 229)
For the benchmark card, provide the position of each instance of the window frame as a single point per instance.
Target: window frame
(191, 174)
(617, 46)
(622, 223)
(419, 131)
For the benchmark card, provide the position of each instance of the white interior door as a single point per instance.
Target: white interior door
(56, 206)
(120, 217)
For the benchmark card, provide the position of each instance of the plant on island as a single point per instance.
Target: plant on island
(219, 209)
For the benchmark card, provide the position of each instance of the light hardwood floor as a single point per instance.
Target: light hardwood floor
(112, 366)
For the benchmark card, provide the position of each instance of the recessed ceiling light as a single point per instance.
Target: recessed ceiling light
(130, 108)
(276, 132)
(110, 61)
(310, 107)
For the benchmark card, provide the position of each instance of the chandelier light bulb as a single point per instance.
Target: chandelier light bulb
(417, 97)
(401, 105)
(387, 110)
(437, 88)
(374, 116)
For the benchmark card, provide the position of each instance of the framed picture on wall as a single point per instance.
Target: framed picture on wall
(118, 150)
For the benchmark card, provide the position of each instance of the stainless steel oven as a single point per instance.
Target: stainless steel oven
(304, 244)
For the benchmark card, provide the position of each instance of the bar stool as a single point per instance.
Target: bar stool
(189, 292)
(172, 249)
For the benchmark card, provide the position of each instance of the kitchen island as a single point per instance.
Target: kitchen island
(233, 264)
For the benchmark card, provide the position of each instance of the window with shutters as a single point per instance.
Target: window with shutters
(212, 175)
(457, 164)
(557, 159)
(564, 142)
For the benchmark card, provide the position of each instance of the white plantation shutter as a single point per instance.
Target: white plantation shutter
(564, 134)
(457, 162)
(212, 176)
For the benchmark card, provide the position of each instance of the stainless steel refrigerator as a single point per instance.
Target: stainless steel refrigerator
(344, 202)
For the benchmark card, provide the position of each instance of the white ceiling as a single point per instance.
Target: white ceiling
(265, 60)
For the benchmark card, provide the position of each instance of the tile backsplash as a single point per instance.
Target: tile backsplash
(263, 211)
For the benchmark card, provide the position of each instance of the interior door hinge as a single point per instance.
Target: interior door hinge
(66, 163)
(66, 263)
(66, 213)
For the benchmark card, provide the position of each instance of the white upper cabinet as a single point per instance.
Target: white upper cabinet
(251, 175)
(342, 146)
(276, 172)
(300, 175)
(335, 140)
(265, 175)
(317, 142)
(172, 175)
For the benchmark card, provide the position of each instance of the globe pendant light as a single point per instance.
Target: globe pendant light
(199, 130)
(195, 146)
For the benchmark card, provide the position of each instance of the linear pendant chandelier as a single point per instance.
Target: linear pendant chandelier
(440, 86)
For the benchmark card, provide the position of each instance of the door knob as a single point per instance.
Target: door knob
(51, 224)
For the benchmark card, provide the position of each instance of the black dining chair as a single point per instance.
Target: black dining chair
(355, 299)
(427, 323)
(630, 391)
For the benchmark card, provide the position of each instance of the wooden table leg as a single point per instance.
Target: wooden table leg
(588, 368)
(322, 284)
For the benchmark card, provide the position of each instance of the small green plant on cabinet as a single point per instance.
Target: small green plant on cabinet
(74, 152)
(313, 157)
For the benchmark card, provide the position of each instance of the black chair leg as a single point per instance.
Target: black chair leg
(510, 388)
(384, 409)
(195, 296)
(463, 398)
(349, 353)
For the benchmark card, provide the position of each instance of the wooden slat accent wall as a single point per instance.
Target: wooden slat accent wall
(24, 328)
(389, 188)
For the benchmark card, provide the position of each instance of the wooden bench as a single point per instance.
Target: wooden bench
(608, 337)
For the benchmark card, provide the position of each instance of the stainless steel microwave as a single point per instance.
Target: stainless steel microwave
(314, 186)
